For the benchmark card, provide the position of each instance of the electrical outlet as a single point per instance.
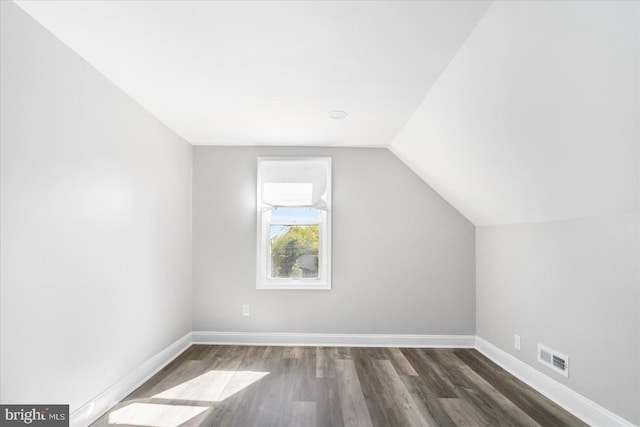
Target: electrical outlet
(245, 310)
(516, 341)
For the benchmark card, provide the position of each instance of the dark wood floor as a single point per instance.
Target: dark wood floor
(327, 386)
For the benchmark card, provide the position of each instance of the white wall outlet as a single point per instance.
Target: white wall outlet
(516, 341)
(245, 310)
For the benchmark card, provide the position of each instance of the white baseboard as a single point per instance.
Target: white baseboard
(583, 408)
(97, 406)
(333, 340)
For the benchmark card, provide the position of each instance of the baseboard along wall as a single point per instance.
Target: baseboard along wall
(96, 407)
(583, 408)
(334, 340)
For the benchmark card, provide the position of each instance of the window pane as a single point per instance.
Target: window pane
(294, 251)
(291, 215)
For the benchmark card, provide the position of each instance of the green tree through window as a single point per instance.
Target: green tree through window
(294, 251)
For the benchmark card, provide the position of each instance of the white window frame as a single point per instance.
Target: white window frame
(263, 244)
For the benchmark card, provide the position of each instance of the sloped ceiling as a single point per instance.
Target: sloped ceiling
(536, 118)
(513, 111)
(268, 72)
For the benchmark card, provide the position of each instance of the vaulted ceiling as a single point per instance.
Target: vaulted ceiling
(537, 117)
(268, 72)
(513, 111)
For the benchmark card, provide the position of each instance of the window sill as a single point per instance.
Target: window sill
(298, 286)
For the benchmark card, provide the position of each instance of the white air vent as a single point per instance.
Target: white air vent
(554, 360)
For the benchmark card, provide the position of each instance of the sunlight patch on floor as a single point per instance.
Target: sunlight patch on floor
(213, 386)
(154, 415)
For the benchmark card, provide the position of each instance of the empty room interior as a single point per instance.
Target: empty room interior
(320, 213)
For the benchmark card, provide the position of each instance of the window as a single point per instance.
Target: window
(294, 223)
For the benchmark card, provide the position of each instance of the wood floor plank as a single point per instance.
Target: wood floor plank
(292, 352)
(401, 363)
(325, 362)
(226, 412)
(265, 386)
(343, 353)
(304, 378)
(302, 414)
(478, 393)
(209, 386)
(403, 403)
(439, 361)
(463, 414)
(354, 408)
(538, 407)
(378, 404)
(423, 366)
(167, 371)
(510, 413)
(433, 411)
(328, 406)
(189, 369)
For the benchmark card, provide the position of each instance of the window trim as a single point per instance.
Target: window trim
(263, 247)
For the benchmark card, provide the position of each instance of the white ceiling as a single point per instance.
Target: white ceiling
(513, 111)
(268, 72)
(537, 117)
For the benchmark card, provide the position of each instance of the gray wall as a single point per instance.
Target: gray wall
(573, 286)
(403, 258)
(96, 224)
